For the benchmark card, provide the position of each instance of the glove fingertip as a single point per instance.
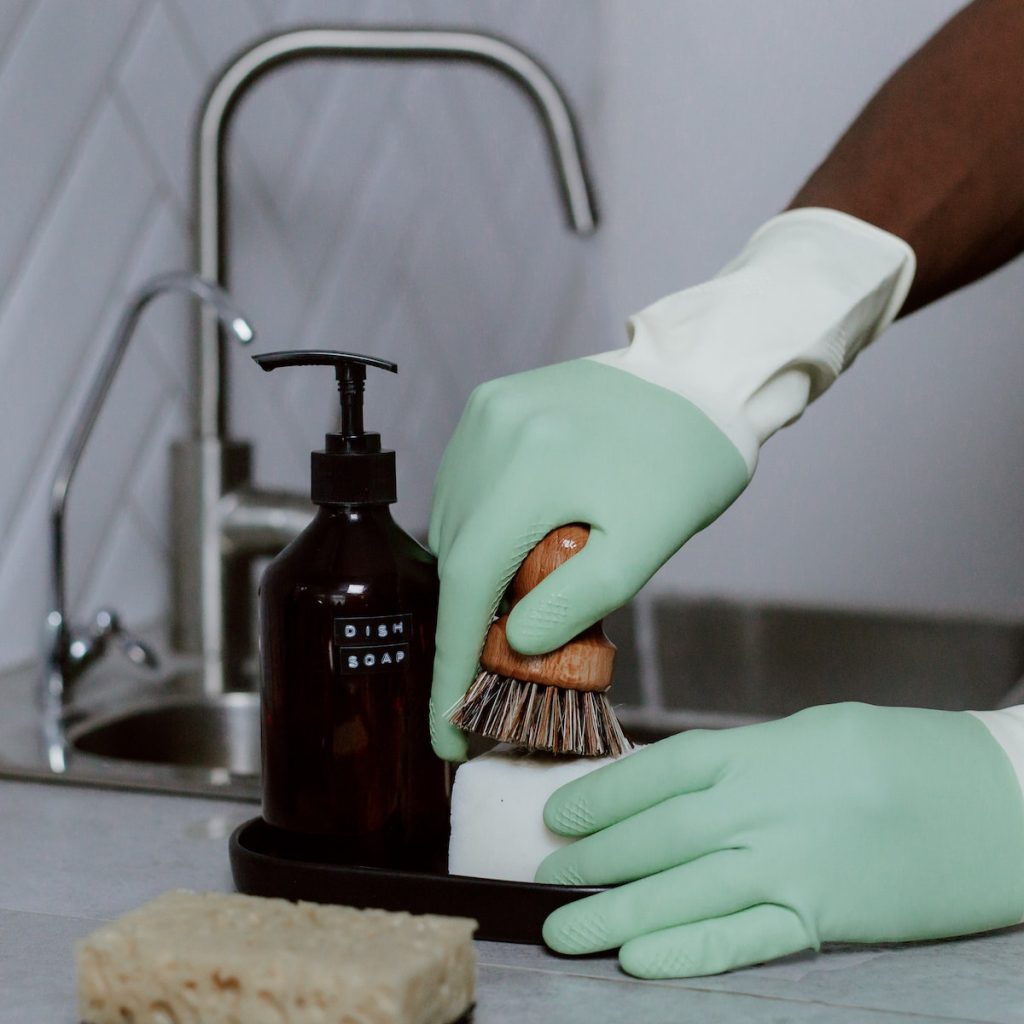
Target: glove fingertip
(575, 929)
(635, 959)
(547, 870)
(451, 748)
(554, 932)
(566, 812)
(553, 815)
(533, 628)
(449, 743)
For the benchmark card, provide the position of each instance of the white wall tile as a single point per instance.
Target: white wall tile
(116, 452)
(12, 20)
(165, 332)
(411, 212)
(164, 113)
(52, 80)
(219, 30)
(903, 487)
(60, 292)
(389, 209)
(131, 574)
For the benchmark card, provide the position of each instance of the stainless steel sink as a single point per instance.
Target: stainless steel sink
(716, 664)
(724, 663)
(194, 732)
(130, 732)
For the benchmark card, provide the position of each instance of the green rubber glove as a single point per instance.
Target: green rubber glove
(845, 823)
(575, 442)
(649, 443)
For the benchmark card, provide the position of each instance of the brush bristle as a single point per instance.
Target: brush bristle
(540, 717)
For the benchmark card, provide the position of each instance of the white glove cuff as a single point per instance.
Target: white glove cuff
(774, 328)
(1007, 729)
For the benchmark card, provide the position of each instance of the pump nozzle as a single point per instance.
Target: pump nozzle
(372, 479)
(350, 371)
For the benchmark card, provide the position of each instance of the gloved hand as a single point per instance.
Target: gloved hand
(845, 823)
(647, 444)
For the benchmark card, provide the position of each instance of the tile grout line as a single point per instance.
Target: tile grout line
(357, 197)
(161, 364)
(88, 570)
(132, 501)
(67, 165)
(18, 510)
(261, 190)
(150, 353)
(261, 12)
(329, 106)
(317, 293)
(133, 126)
(16, 31)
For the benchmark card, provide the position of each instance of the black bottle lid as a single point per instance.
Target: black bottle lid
(352, 469)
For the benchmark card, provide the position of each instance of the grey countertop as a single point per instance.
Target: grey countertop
(72, 857)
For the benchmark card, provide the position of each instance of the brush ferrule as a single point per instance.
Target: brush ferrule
(585, 663)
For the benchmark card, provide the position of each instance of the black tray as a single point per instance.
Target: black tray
(506, 911)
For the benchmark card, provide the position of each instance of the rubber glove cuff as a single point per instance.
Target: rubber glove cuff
(1006, 727)
(752, 347)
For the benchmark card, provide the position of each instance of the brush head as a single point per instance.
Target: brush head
(540, 717)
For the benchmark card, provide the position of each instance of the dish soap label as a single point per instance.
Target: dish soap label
(378, 643)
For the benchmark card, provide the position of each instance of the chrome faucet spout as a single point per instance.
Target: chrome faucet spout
(70, 655)
(221, 521)
(360, 44)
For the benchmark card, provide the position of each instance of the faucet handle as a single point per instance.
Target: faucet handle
(107, 626)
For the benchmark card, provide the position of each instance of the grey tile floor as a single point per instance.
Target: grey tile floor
(70, 858)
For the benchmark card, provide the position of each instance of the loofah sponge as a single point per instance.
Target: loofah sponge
(219, 958)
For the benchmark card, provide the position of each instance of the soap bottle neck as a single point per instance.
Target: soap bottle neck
(379, 514)
(370, 527)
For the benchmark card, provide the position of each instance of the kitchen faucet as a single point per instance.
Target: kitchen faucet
(221, 522)
(70, 651)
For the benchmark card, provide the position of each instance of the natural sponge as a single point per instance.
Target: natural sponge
(219, 958)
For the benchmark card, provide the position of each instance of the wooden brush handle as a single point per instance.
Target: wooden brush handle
(586, 661)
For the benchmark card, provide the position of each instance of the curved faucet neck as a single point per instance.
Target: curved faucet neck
(373, 44)
(224, 311)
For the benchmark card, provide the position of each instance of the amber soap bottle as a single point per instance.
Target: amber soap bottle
(347, 618)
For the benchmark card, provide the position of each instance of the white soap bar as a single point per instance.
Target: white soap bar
(498, 799)
(223, 958)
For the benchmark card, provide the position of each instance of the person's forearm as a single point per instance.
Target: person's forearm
(937, 156)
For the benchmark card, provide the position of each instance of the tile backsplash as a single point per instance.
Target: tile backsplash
(408, 211)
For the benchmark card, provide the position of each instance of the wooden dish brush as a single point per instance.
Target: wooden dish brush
(557, 701)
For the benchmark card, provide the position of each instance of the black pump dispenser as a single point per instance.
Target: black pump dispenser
(348, 612)
(352, 469)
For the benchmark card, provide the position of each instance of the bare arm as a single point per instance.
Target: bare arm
(937, 156)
